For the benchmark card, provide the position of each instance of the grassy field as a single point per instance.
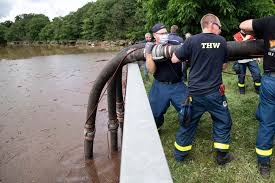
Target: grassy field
(200, 165)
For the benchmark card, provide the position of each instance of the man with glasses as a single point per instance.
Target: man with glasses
(265, 28)
(167, 86)
(207, 56)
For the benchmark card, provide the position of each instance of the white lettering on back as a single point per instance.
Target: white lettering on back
(210, 45)
(203, 45)
(216, 45)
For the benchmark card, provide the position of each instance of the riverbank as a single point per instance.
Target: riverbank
(23, 49)
(14, 52)
(78, 43)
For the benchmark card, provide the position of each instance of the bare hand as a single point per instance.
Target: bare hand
(174, 59)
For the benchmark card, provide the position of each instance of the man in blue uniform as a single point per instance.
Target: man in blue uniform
(255, 71)
(167, 86)
(207, 56)
(265, 28)
(240, 66)
(173, 37)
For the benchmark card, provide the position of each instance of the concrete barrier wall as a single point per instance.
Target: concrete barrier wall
(142, 158)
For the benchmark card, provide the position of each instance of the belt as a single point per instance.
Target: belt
(270, 74)
(168, 82)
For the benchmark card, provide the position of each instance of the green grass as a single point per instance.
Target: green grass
(200, 165)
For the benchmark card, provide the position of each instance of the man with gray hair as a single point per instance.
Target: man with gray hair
(148, 38)
(173, 37)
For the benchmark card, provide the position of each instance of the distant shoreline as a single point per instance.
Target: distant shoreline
(23, 50)
(109, 45)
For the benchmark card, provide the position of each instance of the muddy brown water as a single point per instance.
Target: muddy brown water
(43, 102)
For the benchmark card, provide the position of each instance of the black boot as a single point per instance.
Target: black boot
(242, 90)
(257, 89)
(223, 158)
(264, 169)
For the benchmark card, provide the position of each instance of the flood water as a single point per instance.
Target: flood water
(43, 102)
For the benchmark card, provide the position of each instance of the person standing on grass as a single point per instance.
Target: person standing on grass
(207, 56)
(265, 28)
(250, 63)
(167, 86)
(148, 38)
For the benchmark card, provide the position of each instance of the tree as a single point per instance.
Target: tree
(26, 27)
(155, 11)
(47, 33)
(7, 23)
(69, 30)
(138, 19)
(35, 25)
(187, 13)
(3, 31)
(131, 19)
(116, 27)
(87, 29)
(16, 32)
(57, 23)
(101, 19)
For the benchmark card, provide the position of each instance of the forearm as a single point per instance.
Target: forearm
(150, 64)
(246, 26)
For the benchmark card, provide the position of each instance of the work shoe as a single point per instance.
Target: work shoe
(264, 169)
(223, 158)
(257, 89)
(178, 155)
(242, 90)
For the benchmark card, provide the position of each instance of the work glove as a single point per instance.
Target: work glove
(149, 47)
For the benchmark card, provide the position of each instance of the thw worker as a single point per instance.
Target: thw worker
(207, 55)
(265, 28)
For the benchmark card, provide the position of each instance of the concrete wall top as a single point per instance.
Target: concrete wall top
(142, 159)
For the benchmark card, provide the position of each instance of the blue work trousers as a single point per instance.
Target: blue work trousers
(254, 70)
(161, 95)
(266, 116)
(216, 105)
